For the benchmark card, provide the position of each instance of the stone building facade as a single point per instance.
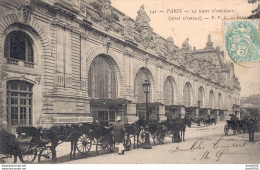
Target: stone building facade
(68, 61)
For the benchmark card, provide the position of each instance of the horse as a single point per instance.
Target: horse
(183, 124)
(63, 133)
(132, 129)
(9, 146)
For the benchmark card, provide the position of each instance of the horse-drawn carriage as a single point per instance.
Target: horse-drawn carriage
(159, 130)
(208, 120)
(237, 126)
(32, 142)
(95, 134)
(29, 143)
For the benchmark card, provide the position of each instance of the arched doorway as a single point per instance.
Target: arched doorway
(190, 112)
(102, 79)
(140, 97)
(168, 93)
(19, 103)
(187, 95)
(220, 107)
(213, 111)
(211, 99)
(142, 75)
(201, 97)
(202, 112)
(102, 88)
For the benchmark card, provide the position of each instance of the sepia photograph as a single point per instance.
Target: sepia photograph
(129, 82)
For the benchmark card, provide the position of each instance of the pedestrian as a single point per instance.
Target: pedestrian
(251, 129)
(176, 131)
(118, 130)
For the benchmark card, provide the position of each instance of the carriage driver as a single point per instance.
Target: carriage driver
(118, 130)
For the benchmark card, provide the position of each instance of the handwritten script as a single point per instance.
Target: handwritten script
(218, 146)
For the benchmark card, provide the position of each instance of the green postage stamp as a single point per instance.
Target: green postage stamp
(242, 40)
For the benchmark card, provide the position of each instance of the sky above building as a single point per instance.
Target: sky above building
(195, 19)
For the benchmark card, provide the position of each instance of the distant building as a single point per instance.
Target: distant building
(67, 61)
(250, 106)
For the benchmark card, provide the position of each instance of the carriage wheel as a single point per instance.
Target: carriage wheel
(226, 128)
(29, 156)
(45, 155)
(161, 136)
(84, 144)
(156, 139)
(103, 145)
(141, 136)
(111, 145)
(127, 144)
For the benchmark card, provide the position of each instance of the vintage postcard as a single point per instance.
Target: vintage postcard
(129, 82)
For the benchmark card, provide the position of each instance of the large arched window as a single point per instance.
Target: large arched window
(201, 97)
(168, 92)
(102, 79)
(18, 46)
(211, 99)
(141, 76)
(187, 95)
(219, 101)
(19, 103)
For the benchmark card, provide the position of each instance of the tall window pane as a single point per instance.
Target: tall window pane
(211, 99)
(139, 90)
(168, 92)
(102, 79)
(187, 95)
(19, 103)
(18, 45)
(200, 96)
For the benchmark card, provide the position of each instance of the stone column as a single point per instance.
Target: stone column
(197, 113)
(183, 112)
(218, 116)
(208, 110)
(83, 52)
(238, 115)
(162, 115)
(128, 54)
(131, 113)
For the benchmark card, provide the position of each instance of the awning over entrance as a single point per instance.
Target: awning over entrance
(191, 108)
(205, 108)
(222, 110)
(109, 102)
(150, 105)
(174, 106)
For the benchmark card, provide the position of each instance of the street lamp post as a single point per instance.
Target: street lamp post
(199, 113)
(146, 86)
